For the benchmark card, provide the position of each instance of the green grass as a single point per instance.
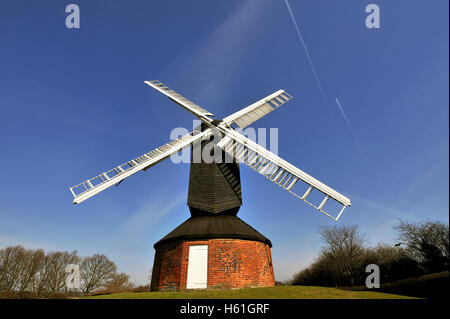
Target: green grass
(279, 292)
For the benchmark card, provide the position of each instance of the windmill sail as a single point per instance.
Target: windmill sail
(278, 170)
(241, 148)
(258, 109)
(94, 185)
(179, 99)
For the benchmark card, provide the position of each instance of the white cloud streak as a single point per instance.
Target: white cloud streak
(216, 62)
(316, 77)
(319, 84)
(348, 122)
(149, 215)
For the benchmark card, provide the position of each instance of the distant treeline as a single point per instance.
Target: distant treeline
(422, 248)
(36, 274)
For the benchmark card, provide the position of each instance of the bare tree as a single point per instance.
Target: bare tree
(52, 277)
(12, 261)
(345, 256)
(386, 254)
(95, 272)
(427, 241)
(33, 265)
(345, 245)
(34, 273)
(119, 282)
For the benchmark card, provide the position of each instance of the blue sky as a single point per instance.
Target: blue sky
(73, 104)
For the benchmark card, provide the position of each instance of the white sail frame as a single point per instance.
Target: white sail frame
(284, 174)
(100, 182)
(266, 163)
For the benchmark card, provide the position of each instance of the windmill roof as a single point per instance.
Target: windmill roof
(214, 226)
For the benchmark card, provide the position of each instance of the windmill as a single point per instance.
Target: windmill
(214, 248)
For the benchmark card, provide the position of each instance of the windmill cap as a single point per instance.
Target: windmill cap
(213, 227)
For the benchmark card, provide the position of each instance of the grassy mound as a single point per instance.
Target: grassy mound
(428, 286)
(279, 292)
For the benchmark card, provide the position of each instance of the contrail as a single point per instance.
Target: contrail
(319, 84)
(345, 117)
(350, 127)
(306, 51)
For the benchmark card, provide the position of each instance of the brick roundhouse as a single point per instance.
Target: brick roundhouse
(237, 255)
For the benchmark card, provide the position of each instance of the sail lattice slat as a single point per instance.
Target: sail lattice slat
(179, 99)
(94, 185)
(257, 110)
(279, 171)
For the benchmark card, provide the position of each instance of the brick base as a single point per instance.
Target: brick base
(232, 263)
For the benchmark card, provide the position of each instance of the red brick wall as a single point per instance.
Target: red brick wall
(232, 263)
(167, 267)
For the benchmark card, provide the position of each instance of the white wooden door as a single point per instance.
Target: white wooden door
(197, 274)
